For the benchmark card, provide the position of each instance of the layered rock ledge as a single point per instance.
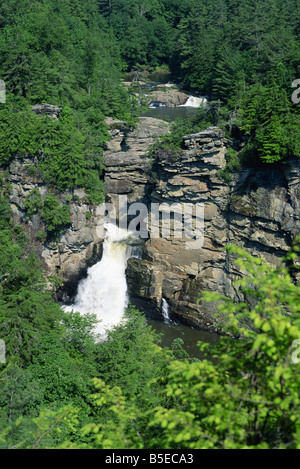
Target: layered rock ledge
(259, 211)
(78, 247)
(127, 163)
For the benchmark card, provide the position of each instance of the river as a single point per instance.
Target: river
(189, 335)
(169, 114)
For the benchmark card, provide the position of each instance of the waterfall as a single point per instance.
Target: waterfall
(104, 291)
(195, 102)
(165, 310)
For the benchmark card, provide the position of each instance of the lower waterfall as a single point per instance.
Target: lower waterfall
(104, 291)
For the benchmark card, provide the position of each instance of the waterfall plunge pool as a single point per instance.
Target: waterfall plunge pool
(189, 335)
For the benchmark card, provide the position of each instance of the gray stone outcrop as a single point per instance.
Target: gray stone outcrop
(259, 211)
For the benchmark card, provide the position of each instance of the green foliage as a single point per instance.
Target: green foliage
(56, 216)
(65, 157)
(33, 202)
(25, 304)
(76, 65)
(131, 357)
(243, 56)
(181, 127)
(233, 163)
(120, 430)
(19, 126)
(60, 375)
(19, 393)
(259, 377)
(41, 235)
(245, 396)
(57, 423)
(271, 121)
(63, 162)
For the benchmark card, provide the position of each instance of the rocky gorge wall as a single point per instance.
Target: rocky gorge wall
(259, 211)
(80, 245)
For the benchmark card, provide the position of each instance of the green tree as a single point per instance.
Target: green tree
(249, 396)
(56, 216)
(26, 307)
(130, 357)
(268, 118)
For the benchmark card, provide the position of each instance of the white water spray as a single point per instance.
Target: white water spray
(104, 291)
(195, 102)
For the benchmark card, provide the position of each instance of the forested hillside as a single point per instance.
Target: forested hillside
(63, 53)
(73, 54)
(59, 387)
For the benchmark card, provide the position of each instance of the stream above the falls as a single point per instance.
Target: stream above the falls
(158, 81)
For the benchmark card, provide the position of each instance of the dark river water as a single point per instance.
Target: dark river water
(189, 335)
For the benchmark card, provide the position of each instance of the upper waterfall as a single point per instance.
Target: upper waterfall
(193, 101)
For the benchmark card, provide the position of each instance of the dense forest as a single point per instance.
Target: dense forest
(60, 387)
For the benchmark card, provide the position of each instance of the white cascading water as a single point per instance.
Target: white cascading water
(195, 102)
(165, 310)
(104, 291)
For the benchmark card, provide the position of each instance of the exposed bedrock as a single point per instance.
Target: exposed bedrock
(259, 211)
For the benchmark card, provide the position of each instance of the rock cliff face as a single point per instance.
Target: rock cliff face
(127, 164)
(79, 245)
(258, 211)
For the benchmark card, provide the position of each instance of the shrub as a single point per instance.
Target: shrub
(56, 216)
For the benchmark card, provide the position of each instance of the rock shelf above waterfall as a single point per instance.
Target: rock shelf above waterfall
(127, 165)
(171, 97)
